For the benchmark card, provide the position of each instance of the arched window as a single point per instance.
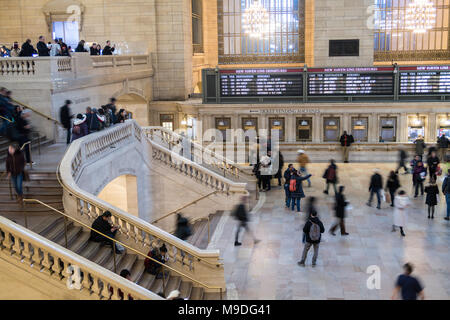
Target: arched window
(281, 42)
(197, 27)
(411, 30)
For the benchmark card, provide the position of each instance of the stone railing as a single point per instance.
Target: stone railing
(56, 265)
(77, 66)
(199, 154)
(202, 265)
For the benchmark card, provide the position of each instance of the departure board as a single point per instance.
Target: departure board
(350, 81)
(261, 83)
(425, 80)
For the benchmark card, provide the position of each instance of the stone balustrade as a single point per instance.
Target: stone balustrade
(202, 265)
(38, 255)
(78, 66)
(200, 154)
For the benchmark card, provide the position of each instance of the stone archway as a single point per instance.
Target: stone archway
(135, 104)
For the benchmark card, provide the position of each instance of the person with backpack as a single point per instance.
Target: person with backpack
(313, 230)
(339, 208)
(240, 213)
(287, 178)
(296, 188)
(330, 176)
(80, 128)
(446, 192)
(432, 199)
(375, 187)
(154, 267)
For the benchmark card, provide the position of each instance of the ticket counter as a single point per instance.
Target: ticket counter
(388, 129)
(223, 124)
(443, 126)
(304, 129)
(416, 127)
(279, 125)
(360, 130)
(331, 129)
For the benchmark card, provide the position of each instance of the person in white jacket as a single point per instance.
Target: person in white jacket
(402, 203)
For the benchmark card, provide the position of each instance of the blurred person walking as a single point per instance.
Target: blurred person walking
(375, 187)
(392, 185)
(15, 167)
(65, 116)
(402, 203)
(433, 164)
(419, 174)
(446, 192)
(339, 208)
(330, 176)
(420, 146)
(240, 213)
(303, 161)
(407, 286)
(402, 156)
(432, 198)
(442, 147)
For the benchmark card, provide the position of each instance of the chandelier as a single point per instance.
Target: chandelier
(420, 16)
(256, 20)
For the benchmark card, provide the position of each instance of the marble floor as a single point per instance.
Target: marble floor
(269, 270)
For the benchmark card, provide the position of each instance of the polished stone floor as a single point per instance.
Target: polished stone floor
(269, 270)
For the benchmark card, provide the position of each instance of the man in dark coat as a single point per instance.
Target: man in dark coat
(313, 224)
(340, 212)
(280, 168)
(443, 146)
(154, 267)
(42, 48)
(108, 50)
(298, 194)
(346, 142)
(433, 163)
(240, 213)
(376, 187)
(330, 176)
(102, 224)
(183, 230)
(65, 117)
(27, 49)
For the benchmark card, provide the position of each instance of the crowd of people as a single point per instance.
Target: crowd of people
(93, 120)
(54, 48)
(436, 164)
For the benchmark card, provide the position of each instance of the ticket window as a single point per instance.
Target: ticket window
(360, 130)
(331, 128)
(277, 124)
(250, 124)
(167, 121)
(388, 129)
(304, 129)
(444, 126)
(223, 124)
(416, 128)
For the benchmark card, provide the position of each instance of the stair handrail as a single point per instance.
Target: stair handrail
(62, 255)
(184, 207)
(66, 216)
(237, 170)
(39, 113)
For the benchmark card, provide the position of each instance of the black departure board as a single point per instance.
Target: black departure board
(425, 80)
(351, 81)
(261, 83)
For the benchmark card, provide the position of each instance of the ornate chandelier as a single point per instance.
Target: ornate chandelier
(420, 16)
(255, 20)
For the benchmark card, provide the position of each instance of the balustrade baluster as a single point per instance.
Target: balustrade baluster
(17, 248)
(95, 288)
(27, 253)
(86, 282)
(7, 242)
(115, 295)
(105, 293)
(57, 268)
(46, 263)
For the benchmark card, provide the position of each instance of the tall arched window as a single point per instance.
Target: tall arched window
(283, 38)
(396, 37)
(197, 28)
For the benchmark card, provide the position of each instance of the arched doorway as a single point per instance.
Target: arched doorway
(135, 104)
(122, 193)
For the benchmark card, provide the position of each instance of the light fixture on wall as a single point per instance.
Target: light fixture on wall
(184, 121)
(420, 16)
(255, 20)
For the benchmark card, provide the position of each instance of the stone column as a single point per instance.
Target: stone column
(317, 128)
(372, 128)
(402, 128)
(432, 127)
(290, 129)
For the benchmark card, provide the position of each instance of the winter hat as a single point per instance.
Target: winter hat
(301, 151)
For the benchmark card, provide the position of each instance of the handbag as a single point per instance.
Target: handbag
(26, 176)
(387, 197)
